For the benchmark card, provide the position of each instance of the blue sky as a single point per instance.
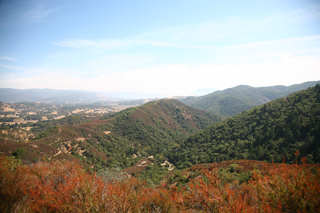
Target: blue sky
(163, 47)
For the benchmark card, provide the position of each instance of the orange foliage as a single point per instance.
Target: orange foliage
(287, 188)
(66, 187)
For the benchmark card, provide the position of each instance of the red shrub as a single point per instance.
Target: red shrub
(66, 187)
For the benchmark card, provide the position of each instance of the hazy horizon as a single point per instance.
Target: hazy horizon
(127, 95)
(159, 47)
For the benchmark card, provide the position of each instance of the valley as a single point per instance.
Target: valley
(167, 144)
(159, 106)
(101, 135)
(28, 114)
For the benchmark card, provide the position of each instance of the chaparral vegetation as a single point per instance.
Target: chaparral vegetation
(61, 186)
(165, 156)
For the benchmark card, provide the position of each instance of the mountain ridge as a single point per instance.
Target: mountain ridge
(232, 101)
(55, 96)
(146, 130)
(268, 132)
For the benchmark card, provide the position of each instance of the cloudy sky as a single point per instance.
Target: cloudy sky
(165, 47)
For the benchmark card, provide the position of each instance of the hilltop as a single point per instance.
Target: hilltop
(150, 129)
(268, 132)
(158, 122)
(234, 100)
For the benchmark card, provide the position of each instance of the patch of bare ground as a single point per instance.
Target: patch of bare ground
(136, 168)
(59, 117)
(55, 141)
(58, 153)
(66, 148)
(170, 168)
(26, 128)
(77, 111)
(21, 121)
(122, 107)
(17, 135)
(8, 109)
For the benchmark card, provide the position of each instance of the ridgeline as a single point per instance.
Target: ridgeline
(268, 132)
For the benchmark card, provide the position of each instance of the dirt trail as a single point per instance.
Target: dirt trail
(59, 152)
(58, 138)
(54, 142)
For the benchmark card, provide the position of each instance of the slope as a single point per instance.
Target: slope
(233, 101)
(111, 141)
(157, 125)
(269, 132)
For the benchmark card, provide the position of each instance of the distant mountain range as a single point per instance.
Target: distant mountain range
(234, 100)
(66, 96)
(227, 102)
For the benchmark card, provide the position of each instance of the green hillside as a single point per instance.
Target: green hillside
(233, 101)
(156, 126)
(150, 129)
(271, 131)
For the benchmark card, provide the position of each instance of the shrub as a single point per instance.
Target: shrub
(18, 152)
(62, 186)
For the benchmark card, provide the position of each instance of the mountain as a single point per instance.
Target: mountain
(66, 96)
(50, 96)
(156, 126)
(150, 129)
(268, 132)
(234, 100)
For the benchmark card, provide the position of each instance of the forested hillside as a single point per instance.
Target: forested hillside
(233, 101)
(155, 127)
(111, 141)
(268, 132)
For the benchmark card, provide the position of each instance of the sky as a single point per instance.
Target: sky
(163, 47)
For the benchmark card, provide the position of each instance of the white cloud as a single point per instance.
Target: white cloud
(219, 33)
(12, 67)
(82, 43)
(116, 62)
(181, 79)
(178, 79)
(270, 62)
(39, 13)
(271, 49)
(299, 42)
(108, 43)
(7, 58)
